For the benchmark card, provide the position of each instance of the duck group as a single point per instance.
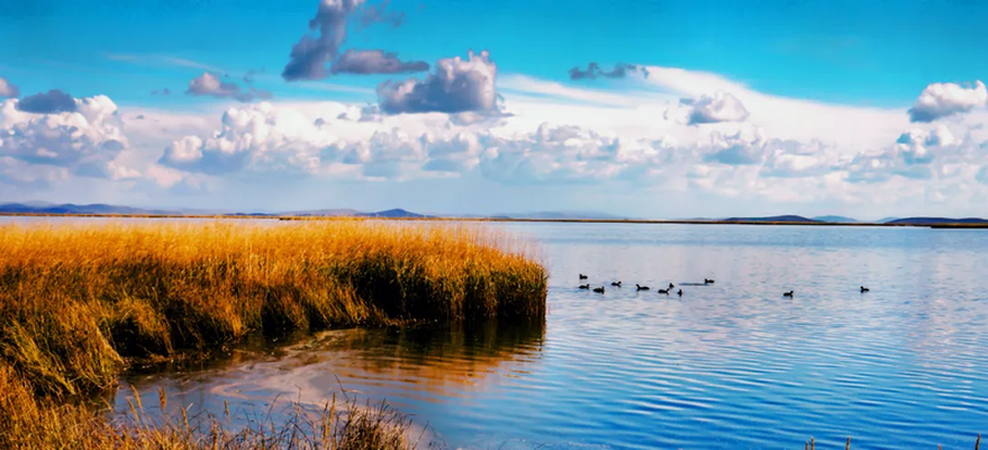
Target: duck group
(706, 282)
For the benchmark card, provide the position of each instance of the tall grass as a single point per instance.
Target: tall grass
(29, 422)
(79, 302)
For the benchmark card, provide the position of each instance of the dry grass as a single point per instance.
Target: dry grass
(76, 302)
(32, 423)
(79, 302)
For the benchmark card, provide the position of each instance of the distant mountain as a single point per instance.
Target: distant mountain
(786, 218)
(836, 219)
(937, 221)
(393, 214)
(886, 219)
(69, 208)
(561, 215)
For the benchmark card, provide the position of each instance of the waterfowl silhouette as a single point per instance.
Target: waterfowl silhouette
(671, 285)
(616, 283)
(864, 289)
(787, 294)
(599, 290)
(708, 281)
(663, 291)
(584, 286)
(583, 277)
(680, 293)
(641, 288)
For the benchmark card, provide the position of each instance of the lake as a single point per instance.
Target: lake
(728, 365)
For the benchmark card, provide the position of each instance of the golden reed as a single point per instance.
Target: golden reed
(77, 302)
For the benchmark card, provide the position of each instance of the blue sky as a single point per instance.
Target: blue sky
(835, 63)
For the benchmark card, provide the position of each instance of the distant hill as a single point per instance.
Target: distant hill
(886, 219)
(394, 214)
(936, 221)
(786, 218)
(70, 208)
(836, 219)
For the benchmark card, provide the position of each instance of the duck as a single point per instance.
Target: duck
(708, 281)
(583, 277)
(864, 289)
(640, 287)
(584, 286)
(787, 294)
(680, 293)
(599, 290)
(671, 285)
(616, 283)
(663, 291)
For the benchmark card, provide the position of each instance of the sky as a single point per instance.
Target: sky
(650, 109)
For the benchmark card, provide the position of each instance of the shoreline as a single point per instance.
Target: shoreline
(945, 225)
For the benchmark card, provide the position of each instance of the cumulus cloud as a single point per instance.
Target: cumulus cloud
(941, 100)
(8, 89)
(84, 141)
(52, 102)
(720, 107)
(593, 70)
(210, 84)
(260, 138)
(309, 57)
(456, 86)
(375, 61)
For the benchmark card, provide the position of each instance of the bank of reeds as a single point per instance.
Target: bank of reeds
(78, 302)
(37, 423)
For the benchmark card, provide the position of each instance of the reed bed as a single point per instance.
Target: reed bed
(37, 423)
(79, 301)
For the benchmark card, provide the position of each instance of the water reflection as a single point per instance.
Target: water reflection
(401, 365)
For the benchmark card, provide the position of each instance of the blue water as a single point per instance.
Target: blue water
(728, 365)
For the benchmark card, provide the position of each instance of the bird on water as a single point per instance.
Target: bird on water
(680, 293)
(584, 286)
(599, 290)
(616, 283)
(640, 287)
(671, 285)
(663, 291)
(583, 277)
(708, 281)
(787, 294)
(864, 289)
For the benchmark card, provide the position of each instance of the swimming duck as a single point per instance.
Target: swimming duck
(708, 281)
(583, 277)
(671, 285)
(663, 291)
(864, 289)
(616, 283)
(641, 288)
(680, 293)
(584, 286)
(787, 294)
(599, 290)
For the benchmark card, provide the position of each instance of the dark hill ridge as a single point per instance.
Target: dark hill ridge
(937, 221)
(787, 218)
(70, 208)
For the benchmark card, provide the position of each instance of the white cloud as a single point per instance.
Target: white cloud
(84, 142)
(8, 89)
(259, 138)
(456, 85)
(719, 107)
(941, 100)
